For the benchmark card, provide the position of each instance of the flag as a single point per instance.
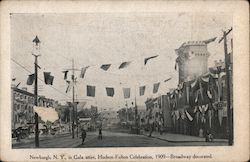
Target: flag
(142, 90)
(167, 79)
(31, 79)
(68, 87)
(126, 92)
(83, 71)
(189, 116)
(65, 74)
(209, 40)
(148, 58)
(90, 91)
(13, 79)
(110, 91)
(124, 64)
(105, 67)
(156, 87)
(48, 79)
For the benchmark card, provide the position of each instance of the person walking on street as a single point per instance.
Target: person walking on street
(100, 133)
(83, 135)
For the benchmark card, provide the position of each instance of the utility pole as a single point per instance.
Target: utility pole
(228, 68)
(36, 41)
(74, 109)
(73, 99)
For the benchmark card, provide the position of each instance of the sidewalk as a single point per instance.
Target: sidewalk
(171, 137)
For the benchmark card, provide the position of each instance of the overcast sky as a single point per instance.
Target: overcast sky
(101, 38)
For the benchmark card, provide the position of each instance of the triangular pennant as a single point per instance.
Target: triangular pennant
(65, 74)
(69, 86)
(90, 91)
(126, 92)
(30, 79)
(110, 91)
(105, 66)
(148, 58)
(209, 40)
(156, 87)
(189, 116)
(167, 79)
(83, 71)
(142, 90)
(124, 64)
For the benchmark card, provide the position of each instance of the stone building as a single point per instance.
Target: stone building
(192, 60)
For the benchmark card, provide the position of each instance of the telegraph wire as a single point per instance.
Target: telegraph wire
(38, 77)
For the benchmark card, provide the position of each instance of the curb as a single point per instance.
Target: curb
(177, 141)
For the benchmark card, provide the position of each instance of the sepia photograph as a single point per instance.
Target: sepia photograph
(124, 81)
(121, 80)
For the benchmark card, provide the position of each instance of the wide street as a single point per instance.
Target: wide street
(110, 139)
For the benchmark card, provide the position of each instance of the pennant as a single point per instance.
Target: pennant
(13, 79)
(126, 92)
(110, 91)
(90, 91)
(189, 116)
(156, 87)
(83, 71)
(65, 74)
(210, 118)
(48, 79)
(68, 87)
(123, 65)
(142, 90)
(220, 116)
(209, 40)
(167, 79)
(105, 67)
(148, 58)
(30, 79)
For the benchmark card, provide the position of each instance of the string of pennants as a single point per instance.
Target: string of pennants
(106, 67)
(110, 91)
(48, 78)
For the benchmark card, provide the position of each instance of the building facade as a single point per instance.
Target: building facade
(22, 107)
(192, 60)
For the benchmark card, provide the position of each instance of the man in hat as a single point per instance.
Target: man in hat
(83, 135)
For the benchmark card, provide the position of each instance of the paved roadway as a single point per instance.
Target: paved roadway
(110, 139)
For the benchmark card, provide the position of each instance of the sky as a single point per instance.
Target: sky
(93, 39)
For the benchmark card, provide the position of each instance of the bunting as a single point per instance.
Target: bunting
(68, 87)
(48, 79)
(90, 91)
(156, 87)
(126, 92)
(148, 58)
(110, 91)
(83, 71)
(65, 74)
(30, 79)
(105, 67)
(142, 90)
(188, 116)
(124, 64)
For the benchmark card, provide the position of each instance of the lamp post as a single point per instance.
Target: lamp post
(36, 42)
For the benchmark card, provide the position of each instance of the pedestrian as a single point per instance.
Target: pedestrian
(83, 135)
(100, 133)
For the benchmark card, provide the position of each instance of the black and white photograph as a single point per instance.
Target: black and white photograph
(121, 80)
(124, 81)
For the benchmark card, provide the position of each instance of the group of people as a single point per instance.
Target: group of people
(84, 134)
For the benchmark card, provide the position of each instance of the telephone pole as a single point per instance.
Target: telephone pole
(36, 41)
(228, 69)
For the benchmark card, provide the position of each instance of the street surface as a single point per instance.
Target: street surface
(111, 139)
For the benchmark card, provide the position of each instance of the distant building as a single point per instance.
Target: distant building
(192, 60)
